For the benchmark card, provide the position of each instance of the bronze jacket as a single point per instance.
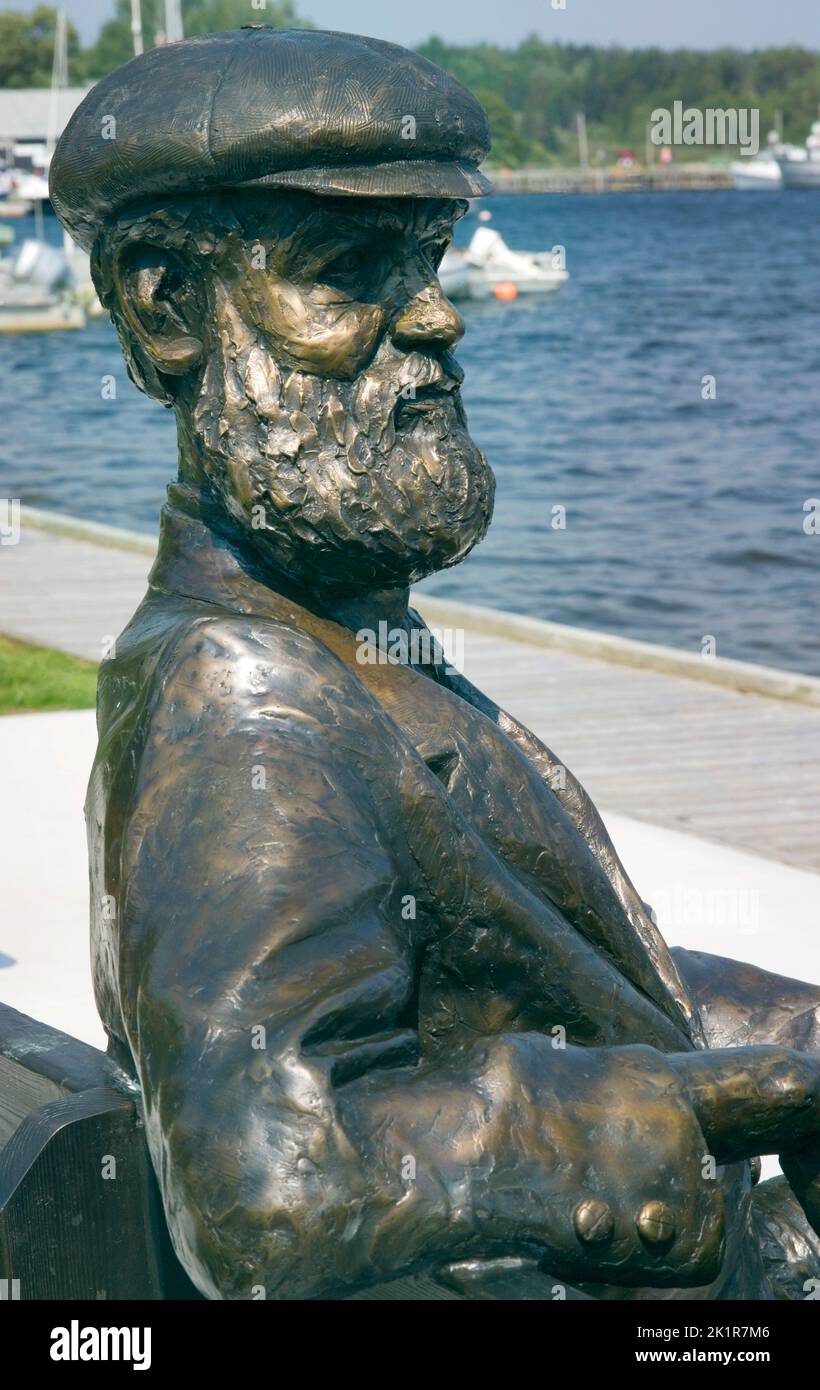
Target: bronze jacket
(392, 1001)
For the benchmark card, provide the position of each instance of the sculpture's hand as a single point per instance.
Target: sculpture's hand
(760, 1100)
(592, 1157)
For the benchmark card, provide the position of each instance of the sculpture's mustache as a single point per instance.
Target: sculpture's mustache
(420, 383)
(423, 369)
(424, 378)
(297, 411)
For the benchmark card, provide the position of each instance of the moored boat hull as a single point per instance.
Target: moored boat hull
(800, 173)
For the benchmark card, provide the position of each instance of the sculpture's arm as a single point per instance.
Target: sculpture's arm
(582, 811)
(268, 978)
(741, 1004)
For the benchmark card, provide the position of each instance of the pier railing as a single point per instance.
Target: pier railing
(679, 178)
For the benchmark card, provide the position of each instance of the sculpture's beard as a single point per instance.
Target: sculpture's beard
(345, 486)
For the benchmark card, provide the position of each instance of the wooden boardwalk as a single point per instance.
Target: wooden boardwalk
(733, 767)
(727, 766)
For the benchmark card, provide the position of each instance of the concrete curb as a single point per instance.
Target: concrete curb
(742, 676)
(92, 532)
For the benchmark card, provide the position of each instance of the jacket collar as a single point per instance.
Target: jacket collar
(198, 559)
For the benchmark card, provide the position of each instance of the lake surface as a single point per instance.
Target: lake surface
(684, 516)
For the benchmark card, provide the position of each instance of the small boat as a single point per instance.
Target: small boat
(31, 187)
(37, 291)
(800, 168)
(28, 308)
(82, 286)
(488, 266)
(755, 174)
(454, 274)
(14, 207)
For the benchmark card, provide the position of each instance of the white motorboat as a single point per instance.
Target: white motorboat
(12, 202)
(82, 286)
(14, 207)
(27, 308)
(454, 274)
(30, 187)
(488, 266)
(755, 174)
(801, 168)
(38, 291)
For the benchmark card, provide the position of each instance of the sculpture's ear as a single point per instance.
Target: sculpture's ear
(158, 299)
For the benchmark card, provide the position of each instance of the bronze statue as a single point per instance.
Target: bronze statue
(396, 1010)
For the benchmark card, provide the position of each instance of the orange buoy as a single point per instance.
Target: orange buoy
(506, 290)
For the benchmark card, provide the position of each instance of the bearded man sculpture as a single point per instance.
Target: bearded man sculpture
(401, 1024)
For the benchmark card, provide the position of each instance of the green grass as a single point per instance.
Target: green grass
(38, 678)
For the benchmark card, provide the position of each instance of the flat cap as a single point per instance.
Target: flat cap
(332, 113)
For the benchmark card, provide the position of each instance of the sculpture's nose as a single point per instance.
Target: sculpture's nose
(428, 317)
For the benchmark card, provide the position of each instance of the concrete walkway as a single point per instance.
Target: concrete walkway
(722, 750)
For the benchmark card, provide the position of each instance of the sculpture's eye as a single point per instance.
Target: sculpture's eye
(352, 262)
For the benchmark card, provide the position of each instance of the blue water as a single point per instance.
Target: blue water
(684, 517)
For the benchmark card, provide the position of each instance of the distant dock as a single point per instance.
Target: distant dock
(715, 748)
(681, 178)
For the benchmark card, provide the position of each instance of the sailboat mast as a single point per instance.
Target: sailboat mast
(173, 21)
(59, 80)
(136, 26)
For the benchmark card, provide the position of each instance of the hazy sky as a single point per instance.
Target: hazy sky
(634, 23)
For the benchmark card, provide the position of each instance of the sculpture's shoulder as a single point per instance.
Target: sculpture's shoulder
(254, 650)
(190, 666)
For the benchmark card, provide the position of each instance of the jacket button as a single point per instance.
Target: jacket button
(656, 1223)
(593, 1221)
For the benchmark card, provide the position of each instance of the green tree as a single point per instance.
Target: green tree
(509, 148)
(27, 48)
(115, 44)
(544, 85)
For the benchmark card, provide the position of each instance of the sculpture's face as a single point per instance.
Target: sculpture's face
(328, 419)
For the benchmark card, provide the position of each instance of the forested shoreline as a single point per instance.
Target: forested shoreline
(533, 92)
